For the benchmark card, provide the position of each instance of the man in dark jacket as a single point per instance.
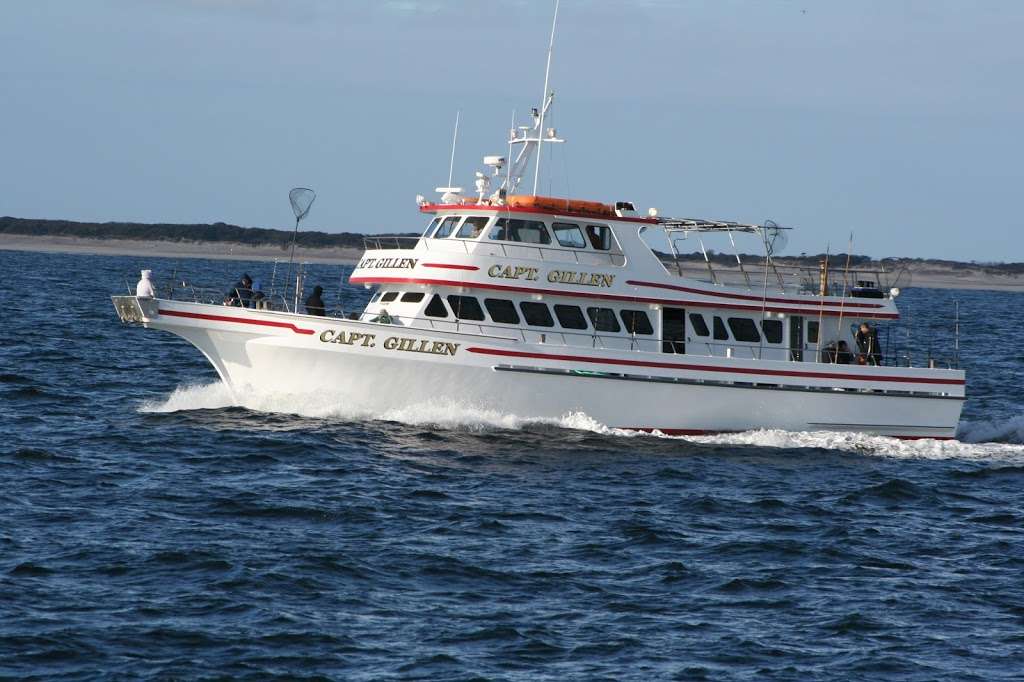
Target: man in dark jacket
(315, 304)
(867, 345)
(241, 293)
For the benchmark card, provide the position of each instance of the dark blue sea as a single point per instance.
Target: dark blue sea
(149, 528)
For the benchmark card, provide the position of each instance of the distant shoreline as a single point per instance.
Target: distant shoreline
(926, 274)
(175, 249)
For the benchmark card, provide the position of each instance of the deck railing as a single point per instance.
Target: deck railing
(895, 356)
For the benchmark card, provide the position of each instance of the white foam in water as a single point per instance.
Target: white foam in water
(455, 415)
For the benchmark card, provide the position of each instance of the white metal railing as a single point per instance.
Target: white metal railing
(895, 356)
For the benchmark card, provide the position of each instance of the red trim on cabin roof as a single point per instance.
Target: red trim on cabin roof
(746, 297)
(237, 320)
(434, 208)
(711, 368)
(449, 266)
(815, 310)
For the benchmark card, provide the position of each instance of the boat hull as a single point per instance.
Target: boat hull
(378, 368)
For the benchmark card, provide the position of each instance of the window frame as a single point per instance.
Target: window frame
(568, 306)
(774, 324)
(511, 307)
(502, 228)
(607, 314)
(583, 238)
(456, 220)
(467, 221)
(607, 230)
(634, 314)
(720, 332)
(459, 309)
(436, 298)
(696, 328)
(538, 305)
(738, 327)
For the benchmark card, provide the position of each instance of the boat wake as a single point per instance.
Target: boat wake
(977, 440)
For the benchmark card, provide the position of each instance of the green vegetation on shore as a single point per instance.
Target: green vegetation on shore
(211, 232)
(257, 236)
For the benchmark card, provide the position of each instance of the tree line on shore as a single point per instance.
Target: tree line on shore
(262, 237)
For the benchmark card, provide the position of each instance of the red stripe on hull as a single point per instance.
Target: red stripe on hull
(702, 432)
(450, 266)
(744, 297)
(613, 297)
(236, 320)
(710, 368)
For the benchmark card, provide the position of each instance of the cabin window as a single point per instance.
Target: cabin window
(636, 322)
(699, 326)
(812, 332)
(430, 227)
(436, 308)
(466, 307)
(772, 330)
(569, 234)
(447, 226)
(720, 333)
(501, 310)
(412, 297)
(516, 230)
(600, 237)
(375, 297)
(389, 297)
(603, 319)
(472, 227)
(744, 329)
(570, 317)
(536, 314)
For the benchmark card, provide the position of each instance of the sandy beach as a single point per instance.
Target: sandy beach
(928, 275)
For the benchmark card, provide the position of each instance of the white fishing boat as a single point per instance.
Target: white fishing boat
(540, 307)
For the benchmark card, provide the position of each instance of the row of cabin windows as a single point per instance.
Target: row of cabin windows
(570, 235)
(534, 314)
(743, 329)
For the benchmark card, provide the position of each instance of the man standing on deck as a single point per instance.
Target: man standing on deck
(867, 345)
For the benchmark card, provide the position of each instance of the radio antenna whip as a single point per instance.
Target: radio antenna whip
(544, 99)
(455, 138)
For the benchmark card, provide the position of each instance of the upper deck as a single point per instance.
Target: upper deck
(599, 255)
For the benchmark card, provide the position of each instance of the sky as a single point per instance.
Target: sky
(897, 120)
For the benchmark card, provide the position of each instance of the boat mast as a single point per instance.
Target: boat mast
(544, 100)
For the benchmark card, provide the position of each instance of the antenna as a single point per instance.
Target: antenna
(544, 98)
(455, 138)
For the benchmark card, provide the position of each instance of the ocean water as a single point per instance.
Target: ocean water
(149, 527)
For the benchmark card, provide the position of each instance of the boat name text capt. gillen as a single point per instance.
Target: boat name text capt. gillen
(375, 263)
(400, 343)
(590, 279)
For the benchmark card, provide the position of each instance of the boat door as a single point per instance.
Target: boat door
(796, 338)
(673, 330)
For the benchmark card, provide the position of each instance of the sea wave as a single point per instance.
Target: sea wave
(984, 440)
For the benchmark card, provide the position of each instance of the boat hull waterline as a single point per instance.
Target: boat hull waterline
(381, 367)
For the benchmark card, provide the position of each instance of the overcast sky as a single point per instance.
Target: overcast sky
(898, 120)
